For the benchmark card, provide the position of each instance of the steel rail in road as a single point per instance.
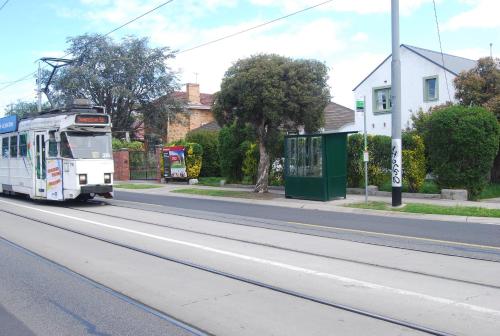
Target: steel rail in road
(184, 326)
(287, 226)
(211, 270)
(288, 249)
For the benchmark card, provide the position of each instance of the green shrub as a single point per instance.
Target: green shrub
(231, 151)
(463, 142)
(355, 145)
(209, 140)
(132, 145)
(250, 162)
(414, 167)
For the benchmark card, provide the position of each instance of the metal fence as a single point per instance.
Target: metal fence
(143, 165)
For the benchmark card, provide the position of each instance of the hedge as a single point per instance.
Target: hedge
(379, 164)
(462, 144)
(209, 140)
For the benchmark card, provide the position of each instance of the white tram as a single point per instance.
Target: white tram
(58, 155)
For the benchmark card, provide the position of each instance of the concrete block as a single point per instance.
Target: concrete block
(454, 194)
(193, 181)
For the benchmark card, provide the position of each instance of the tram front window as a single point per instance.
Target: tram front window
(79, 145)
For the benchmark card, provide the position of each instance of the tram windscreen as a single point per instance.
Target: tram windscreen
(79, 145)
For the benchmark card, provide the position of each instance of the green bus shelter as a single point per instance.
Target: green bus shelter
(316, 166)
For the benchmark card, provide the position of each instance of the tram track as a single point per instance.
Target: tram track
(321, 229)
(328, 303)
(282, 248)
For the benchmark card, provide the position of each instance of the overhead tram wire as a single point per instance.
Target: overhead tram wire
(9, 84)
(254, 27)
(1, 7)
(441, 50)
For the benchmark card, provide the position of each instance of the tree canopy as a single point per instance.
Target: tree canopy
(125, 77)
(480, 86)
(23, 109)
(272, 92)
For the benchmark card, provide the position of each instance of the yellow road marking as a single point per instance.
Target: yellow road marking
(398, 236)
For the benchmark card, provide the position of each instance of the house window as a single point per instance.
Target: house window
(431, 92)
(382, 100)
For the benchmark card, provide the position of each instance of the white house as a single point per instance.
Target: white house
(425, 82)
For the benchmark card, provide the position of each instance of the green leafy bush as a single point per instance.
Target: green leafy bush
(231, 151)
(413, 155)
(250, 162)
(209, 140)
(355, 145)
(132, 145)
(463, 142)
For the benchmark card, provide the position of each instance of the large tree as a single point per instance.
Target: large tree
(23, 109)
(480, 86)
(125, 77)
(270, 92)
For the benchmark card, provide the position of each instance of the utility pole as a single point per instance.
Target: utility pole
(39, 88)
(396, 163)
(491, 50)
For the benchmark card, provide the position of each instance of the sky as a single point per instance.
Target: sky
(350, 36)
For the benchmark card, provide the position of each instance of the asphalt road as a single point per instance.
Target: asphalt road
(229, 278)
(38, 297)
(291, 219)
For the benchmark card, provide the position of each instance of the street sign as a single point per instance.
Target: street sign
(360, 105)
(365, 156)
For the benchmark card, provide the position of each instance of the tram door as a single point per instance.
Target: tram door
(40, 165)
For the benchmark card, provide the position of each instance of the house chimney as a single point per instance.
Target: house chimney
(193, 93)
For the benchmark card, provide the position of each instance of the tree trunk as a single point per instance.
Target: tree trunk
(263, 171)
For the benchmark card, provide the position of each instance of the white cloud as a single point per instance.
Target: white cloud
(360, 37)
(355, 6)
(471, 53)
(318, 39)
(483, 14)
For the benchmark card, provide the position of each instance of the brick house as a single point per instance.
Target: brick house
(199, 108)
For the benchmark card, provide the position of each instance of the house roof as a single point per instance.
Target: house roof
(337, 116)
(205, 98)
(211, 126)
(452, 64)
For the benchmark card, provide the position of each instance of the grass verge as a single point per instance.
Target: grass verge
(224, 193)
(431, 209)
(210, 181)
(136, 186)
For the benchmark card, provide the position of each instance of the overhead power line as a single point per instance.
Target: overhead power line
(9, 84)
(441, 49)
(254, 27)
(3, 5)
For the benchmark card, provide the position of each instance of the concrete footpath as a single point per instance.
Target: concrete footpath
(277, 198)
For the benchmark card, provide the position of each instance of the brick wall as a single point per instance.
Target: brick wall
(122, 167)
(199, 118)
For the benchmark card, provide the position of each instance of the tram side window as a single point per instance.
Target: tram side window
(52, 144)
(13, 146)
(23, 145)
(5, 147)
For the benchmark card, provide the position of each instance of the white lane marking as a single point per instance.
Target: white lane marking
(289, 267)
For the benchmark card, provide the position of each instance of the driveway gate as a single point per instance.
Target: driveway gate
(143, 165)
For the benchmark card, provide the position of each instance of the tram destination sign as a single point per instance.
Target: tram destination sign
(92, 119)
(8, 124)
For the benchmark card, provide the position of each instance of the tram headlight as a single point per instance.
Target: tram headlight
(107, 178)
(82, 178)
